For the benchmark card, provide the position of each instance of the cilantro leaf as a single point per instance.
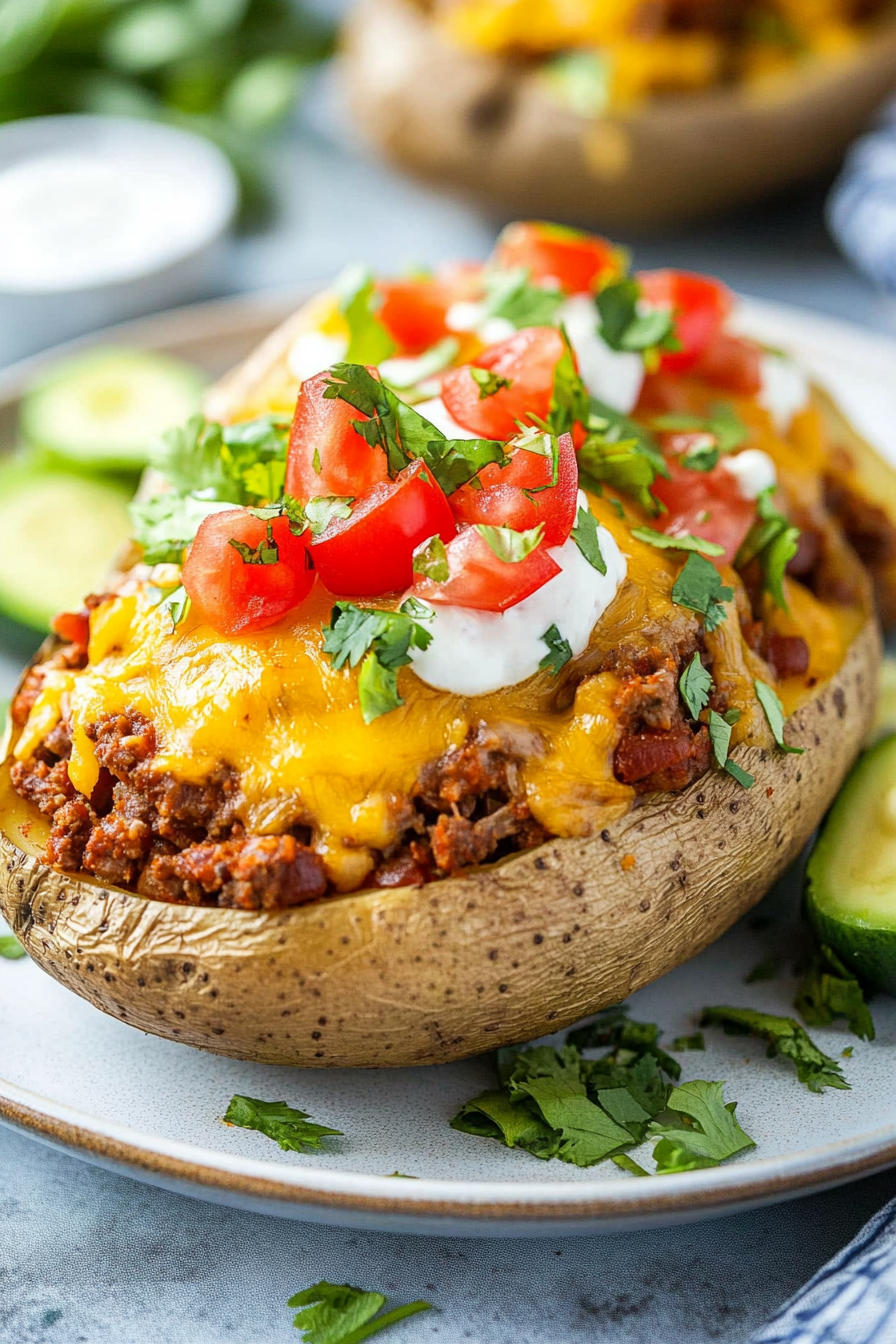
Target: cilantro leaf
(693, 1042)
(773, 541)
(559, 651)
(706, 1135)
(830, 990)
(509, 294)
(383, 640)
(488, 383)
(584, 534)
(166, 524)
(10, 947)
(699, 588)
(724, 424)
(369, 342)
(622, 327)
(404, 434)
(508, 544)
(613, 1027)
(321, 511)
(621, 453)
(570, 401)
(175, 603)
(243, 463)
(431, 559)
(492, 1115)
(628, 1164)
(663, 541)
(774, 713)
(587, 1133)
(785, 1037)
(337, 1313)
(743, 777)
(769, 969)
(284, 1124)
(720, 737)
(695, 685)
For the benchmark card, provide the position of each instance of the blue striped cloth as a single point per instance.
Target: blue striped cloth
(852, 1300)
(861, 209)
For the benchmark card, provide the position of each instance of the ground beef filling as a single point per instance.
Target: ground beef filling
(174, 841)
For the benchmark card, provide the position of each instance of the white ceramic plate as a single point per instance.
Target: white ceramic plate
(153, 1108)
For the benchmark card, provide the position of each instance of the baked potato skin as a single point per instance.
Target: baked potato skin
(427, 975)
(487, 125)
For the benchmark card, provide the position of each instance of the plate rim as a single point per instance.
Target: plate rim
(282, 1188)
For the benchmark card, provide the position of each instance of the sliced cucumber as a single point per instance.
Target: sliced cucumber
(58, 533)
(851, 874)
(104, 409)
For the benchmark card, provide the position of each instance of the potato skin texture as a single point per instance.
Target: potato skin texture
(426, 975)
(487, 125)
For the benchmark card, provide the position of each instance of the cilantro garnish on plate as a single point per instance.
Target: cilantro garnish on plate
(382, 639)
(785, 1037)
(699, 587)
(292, 1129)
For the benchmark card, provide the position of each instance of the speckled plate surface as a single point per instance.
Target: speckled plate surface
(153, 1108)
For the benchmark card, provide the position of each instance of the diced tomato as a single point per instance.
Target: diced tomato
(578, 261)
(705, 504)
(237, 597)
(700, 305)
(372, 551)
(72, 626)
(480, 580)
(527, 360)
(733, 363)
(413, 312)
(502, 501)
(326, 455)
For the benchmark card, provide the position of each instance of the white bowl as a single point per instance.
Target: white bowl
(102, 219)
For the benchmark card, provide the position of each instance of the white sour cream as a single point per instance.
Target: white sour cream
(466, 316)
(312, 352)
(785, 389)
(613, 376)
(753, 470)
(437, 413)
(475, 652)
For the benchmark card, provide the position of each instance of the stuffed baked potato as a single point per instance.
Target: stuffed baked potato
(441, 697)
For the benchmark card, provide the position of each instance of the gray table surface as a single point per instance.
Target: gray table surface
(90, 1256)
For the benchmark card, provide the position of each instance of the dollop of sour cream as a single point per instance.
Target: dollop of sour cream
(753, 470)
(613, 376)
(476, 652)
(785, 389)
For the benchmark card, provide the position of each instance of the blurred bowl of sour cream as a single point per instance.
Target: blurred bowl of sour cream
(103, 219)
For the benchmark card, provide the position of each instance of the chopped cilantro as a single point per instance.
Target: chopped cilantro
(622, 327)
(175, 604)
(509, 294)
(405, 374)
(337, 1313)
(828, 990)
(724, 424)
(265, 553)
(243, 463)
(284, 1124)
(720, 736)
(769, 969)
(619, 452)
(383, 640)
(663, 541)
(488, 383)
(315, 461)
(628, 1164)
(584, 534)
(10, 947)
(785, 1037)
(614, 1027)
(559, 651)
(404, 434)
(570, 402)
(774, 712)
(369, 342)
(695, 685)
(431, 560)
(166, 524)
(698, 1129)
(321, 511)
(699, 588)
(694, 1042)
(509, 545)
(743, 777)
(773, 541)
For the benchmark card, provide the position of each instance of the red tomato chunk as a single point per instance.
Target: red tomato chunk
(236, 597)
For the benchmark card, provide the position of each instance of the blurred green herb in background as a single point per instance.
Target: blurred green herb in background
(228, 69)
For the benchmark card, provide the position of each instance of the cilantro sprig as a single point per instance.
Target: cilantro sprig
(369, 342)
(404, 435)
(623, 327)
(828, 990)
(723, 424)
(773, 541)
(695, 685)
(720, 726)
(584, 534)
(785, 1037)
(559, 651)
(774, 713)
(488, 383)
(699, 588)
(663, 542)
(338, 1313)
(292, 1129)
(381, 642)
(510, 294)
(509, 545)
